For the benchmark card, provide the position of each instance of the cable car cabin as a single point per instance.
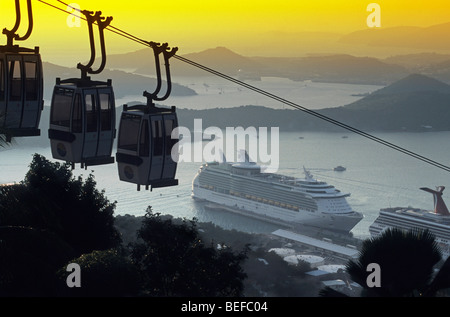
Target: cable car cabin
(82, 122)
(144, 150)
(21, 91)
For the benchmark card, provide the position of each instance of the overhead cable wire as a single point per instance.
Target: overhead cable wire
(272, 96)
(316, 114)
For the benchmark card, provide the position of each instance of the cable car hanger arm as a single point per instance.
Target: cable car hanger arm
(11, 34)
(167, 53)
(102, 24)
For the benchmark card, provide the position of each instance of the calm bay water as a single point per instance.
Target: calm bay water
(376, 176)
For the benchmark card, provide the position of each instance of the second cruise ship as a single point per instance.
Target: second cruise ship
(437, 221)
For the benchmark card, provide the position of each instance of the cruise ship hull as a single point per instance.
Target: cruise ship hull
(408, 219)
(273, 214)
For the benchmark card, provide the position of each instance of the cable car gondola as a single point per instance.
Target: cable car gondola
(145, 154)
(82, 119)
(21, 83)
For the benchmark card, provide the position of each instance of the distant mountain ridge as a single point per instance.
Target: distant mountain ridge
(415, 83)
(430, 38)
(342, 68)
(416, 103)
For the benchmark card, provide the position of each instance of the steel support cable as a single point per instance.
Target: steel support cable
(315, 114)
(274, 97)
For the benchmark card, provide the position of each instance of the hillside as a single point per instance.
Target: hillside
(414, 83)
(410, 104)
(220, 59)
(417, 62)
(339, 68)
(413, 103)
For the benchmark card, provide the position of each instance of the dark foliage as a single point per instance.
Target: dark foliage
(45, 221)
(175, 262)
(407, 260)
(106, 273)
(51, 198)
(28, 260)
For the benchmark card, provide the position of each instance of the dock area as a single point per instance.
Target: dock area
(324, 245)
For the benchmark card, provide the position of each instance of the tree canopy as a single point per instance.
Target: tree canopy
(407, 260)
(52, 219)
(51, 198)
(176, 262)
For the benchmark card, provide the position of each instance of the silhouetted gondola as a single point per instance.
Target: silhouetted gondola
(21, 83)
(145, 153)
(82, 119)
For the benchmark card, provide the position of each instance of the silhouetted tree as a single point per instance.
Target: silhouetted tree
(103, 273)
(174, 261)
(29, 259)
(406, 259)
(51, 198)
(46, 220)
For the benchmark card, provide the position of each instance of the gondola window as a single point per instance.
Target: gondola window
(62, 101)
(77, 116)
(91, 113)
(169, 125)
(144, 148)
(16, 80)
(157, 138)
(128, 138)
(31, 80)
(105, 112)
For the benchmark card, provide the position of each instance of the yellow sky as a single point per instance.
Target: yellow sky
(194, 25)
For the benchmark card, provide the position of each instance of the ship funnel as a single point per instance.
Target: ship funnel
(439, 204)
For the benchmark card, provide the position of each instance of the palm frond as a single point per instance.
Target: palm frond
(406, 260)
(441, 280)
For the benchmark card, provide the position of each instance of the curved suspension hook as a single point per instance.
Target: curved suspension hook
(102, 24)
(11, 34)
(157, 49)
(167, 53)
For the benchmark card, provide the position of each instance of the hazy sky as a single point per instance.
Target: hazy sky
(196, 25)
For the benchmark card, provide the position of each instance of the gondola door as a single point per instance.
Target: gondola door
(157, 148)
(144, 153)
(14, 96)
(170, 154)
(91, 115)
(107, 121)
(33, 92)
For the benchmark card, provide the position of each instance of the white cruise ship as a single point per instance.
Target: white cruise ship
(242, 188)
(436, 221)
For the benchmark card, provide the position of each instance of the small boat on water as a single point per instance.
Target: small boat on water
(339, 168)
